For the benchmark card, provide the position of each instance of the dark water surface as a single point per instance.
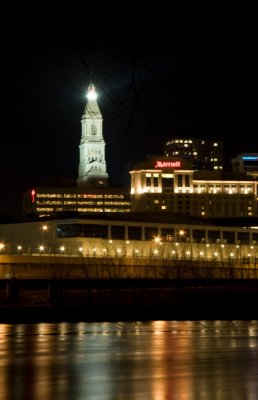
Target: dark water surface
(179, 360)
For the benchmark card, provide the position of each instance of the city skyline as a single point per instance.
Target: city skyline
(151, 85)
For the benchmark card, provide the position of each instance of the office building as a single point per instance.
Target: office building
(246, 162)
(43, 201)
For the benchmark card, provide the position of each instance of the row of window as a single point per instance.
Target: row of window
(219, 202)
(83, 209)
(184, 181)
(89, 203)
(153, 233)
(207, 142)
(230, 189)
(101, 210)
(80, 196)
(208, 209)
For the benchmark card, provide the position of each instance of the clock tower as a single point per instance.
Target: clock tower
(92, 166)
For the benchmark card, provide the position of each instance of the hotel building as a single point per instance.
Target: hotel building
(170, 184)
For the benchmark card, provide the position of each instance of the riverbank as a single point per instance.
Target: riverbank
(131, 301)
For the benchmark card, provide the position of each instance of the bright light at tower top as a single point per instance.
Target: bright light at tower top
(91, 94)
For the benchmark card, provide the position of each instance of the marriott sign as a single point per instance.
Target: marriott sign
(168, 164)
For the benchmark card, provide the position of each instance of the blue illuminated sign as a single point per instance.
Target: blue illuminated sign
(250, 158)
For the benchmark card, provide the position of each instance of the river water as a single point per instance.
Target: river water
(179, 360)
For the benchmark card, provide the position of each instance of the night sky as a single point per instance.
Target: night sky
(154, 82)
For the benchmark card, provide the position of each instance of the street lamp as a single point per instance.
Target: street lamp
(181, 234)
(44, 227)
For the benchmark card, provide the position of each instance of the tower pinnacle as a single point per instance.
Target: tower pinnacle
(91, 94)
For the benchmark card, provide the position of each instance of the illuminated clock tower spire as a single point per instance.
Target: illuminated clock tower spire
(92, 167)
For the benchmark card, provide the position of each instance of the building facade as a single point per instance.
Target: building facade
(96, 248)
(170, 184)
(93, 236)
(199, 153)
(43, 201)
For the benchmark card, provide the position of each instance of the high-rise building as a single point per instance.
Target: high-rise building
(200, 153)
(92, 167)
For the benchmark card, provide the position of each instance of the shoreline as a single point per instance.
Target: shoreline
(131, 301)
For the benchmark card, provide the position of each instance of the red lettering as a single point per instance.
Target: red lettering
(168, 164)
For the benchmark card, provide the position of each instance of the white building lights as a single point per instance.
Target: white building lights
(89, 243)
(92, 166)
(175, 187)
(91, 93)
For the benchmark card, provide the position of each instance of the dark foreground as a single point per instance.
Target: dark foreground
(128, 300)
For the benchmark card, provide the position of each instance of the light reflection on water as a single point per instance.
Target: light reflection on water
(178, 360)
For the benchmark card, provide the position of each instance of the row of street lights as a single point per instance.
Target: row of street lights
(177, 251)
